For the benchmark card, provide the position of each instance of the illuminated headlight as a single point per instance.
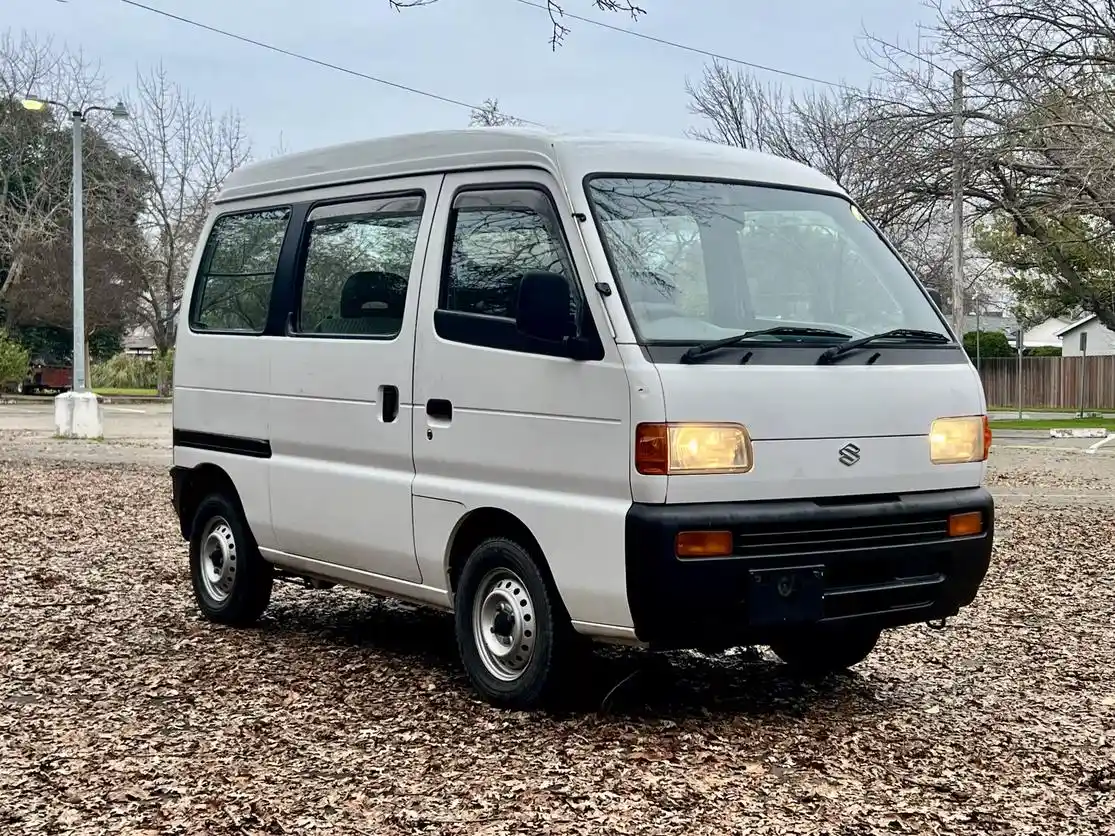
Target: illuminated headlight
(679, 449)
(957, 440)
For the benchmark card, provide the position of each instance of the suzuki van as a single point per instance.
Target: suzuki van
(644, 391)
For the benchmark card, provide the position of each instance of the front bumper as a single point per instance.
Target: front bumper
(870, 562)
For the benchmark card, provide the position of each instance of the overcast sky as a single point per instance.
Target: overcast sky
(463, 49)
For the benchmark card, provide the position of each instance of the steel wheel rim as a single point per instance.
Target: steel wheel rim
(218, 560)
(504, 627)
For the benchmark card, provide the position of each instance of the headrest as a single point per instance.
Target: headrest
(373, 293)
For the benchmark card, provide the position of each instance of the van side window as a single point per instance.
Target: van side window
(233, 288)
(497, 235)
(357, 267)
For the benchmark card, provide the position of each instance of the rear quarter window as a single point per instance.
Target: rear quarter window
(233, 288)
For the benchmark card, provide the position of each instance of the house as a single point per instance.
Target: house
(1101, 340)
(1045, 334)
(989, 321)
(139, 342)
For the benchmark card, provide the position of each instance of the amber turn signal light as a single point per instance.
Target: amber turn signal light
(966, 524)
(703, 544)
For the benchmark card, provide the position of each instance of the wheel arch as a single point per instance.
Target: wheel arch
(196, 483)
(478, 525)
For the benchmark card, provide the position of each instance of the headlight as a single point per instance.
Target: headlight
(679, 449)
(956, 440)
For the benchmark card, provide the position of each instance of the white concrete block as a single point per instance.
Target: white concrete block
(1077, 432)
(78, 415)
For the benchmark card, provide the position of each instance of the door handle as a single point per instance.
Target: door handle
(439, 409)
(389, 397)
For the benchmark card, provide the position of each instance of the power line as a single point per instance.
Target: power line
(693, 49)
(312, 60)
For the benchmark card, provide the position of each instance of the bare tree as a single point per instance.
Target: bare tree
(489, 115)
(35, 158)
(555, 9)
(1039, 149)
(833, 132)
(184, 152)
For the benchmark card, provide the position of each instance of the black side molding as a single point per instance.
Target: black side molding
(256, 448)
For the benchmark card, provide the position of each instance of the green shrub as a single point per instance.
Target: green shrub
(991, 344)
(125, 371)
(13, 360)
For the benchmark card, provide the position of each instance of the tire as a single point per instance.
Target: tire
(232, 582)
(820, 653)
(505, 604)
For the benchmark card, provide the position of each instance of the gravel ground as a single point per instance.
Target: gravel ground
(122, 712)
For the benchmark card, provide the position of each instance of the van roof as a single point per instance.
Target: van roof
(571, 156)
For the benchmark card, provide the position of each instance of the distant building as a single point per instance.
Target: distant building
(1101, 340)
(139, 342)
(990, 321)
(1045, 334)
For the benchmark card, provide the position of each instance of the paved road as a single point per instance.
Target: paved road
(1012, 415)
(134, 434)
(1033, 466)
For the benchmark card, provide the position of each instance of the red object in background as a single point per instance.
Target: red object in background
(41, 377)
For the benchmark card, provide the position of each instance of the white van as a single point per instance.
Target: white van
(655, 392)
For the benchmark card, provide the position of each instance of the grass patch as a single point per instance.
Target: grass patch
(126, 393)
(1054, 424)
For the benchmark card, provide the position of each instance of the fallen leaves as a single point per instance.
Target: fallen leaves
(121, 711)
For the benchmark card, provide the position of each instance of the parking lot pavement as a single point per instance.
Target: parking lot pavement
(134, 434)
(1025, 466)
(121, 710)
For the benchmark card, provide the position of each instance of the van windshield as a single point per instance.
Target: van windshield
(700, 260)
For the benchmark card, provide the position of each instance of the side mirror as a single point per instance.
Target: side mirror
(545, 309)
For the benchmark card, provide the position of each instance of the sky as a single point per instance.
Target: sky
(469, 50)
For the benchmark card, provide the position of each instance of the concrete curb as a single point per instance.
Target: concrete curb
(1078, 432)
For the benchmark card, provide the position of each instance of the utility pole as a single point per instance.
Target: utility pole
(958, 202)
(77, 413)
(78, 383)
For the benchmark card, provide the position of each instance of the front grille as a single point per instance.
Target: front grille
(834, 536)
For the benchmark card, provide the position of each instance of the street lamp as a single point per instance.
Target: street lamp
(77, 413)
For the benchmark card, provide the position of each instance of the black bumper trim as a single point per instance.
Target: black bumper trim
(873, 582)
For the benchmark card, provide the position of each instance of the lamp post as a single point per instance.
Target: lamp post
(77, 412)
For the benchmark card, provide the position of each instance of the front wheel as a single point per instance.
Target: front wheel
(513, 635)
(825, 651)
(231, 580)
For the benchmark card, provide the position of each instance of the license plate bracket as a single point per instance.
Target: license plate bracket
(785, 595)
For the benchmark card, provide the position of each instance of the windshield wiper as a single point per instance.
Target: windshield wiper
(779, 330)
(903, 335)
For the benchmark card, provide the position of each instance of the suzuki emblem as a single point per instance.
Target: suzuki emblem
(849, 454)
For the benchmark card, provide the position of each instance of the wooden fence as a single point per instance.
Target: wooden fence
(1051, 382)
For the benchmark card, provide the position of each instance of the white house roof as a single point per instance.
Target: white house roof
(566, 155)
(1072, 326)
(1045, 333)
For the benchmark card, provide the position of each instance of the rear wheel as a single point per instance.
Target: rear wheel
(514, 637)
(825, 651)
(232, 582)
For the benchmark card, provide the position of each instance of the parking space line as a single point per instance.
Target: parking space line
(1099, 444)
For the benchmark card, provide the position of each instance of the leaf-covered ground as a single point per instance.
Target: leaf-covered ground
(122, 712)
